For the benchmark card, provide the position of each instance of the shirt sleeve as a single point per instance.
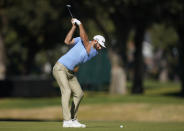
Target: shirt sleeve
(76, 40)
(92, 53)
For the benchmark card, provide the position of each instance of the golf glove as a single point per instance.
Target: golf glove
(75, 21)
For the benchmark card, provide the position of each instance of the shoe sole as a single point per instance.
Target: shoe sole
(73, 127)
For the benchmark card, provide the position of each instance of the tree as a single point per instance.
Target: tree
(128, 15)
(177, 18)
(142, 19)
(116, 49)
(35, 27)
(3, 23)
(125, 16)
(172, 14)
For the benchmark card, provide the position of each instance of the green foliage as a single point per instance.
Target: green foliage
(163, 36)
(31, 30)
(34, 30)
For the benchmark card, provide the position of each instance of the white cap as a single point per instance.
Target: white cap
(100, 39)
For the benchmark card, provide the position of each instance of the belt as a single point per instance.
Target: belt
(70, 71)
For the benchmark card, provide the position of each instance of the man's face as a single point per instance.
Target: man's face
(97, 45)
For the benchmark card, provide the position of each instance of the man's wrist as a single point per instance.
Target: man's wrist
(74, 26)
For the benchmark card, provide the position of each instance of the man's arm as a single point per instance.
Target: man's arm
(84, 38)
(68, 39)
(83, 35)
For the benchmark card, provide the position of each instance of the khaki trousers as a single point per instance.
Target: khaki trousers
(68, 84)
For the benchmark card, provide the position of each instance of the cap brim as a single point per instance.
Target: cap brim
(102, 44)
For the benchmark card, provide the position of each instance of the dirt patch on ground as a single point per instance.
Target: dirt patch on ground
(124, 112)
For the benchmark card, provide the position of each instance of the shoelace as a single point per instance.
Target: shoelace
(74, 120)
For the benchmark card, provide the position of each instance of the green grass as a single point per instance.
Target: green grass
(156, 95)
(92, 126)
(90, 99)
(155, 92)
(9, 103)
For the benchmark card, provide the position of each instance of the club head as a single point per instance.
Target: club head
(68, 6)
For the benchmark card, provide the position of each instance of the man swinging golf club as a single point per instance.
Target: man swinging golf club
(65, 68)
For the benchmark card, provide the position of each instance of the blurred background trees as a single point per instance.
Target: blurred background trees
(144, 39)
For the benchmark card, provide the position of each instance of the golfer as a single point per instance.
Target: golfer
(65, 68)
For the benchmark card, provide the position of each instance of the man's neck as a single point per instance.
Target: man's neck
(93, 44)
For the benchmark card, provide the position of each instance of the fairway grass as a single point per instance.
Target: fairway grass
(91, 126)
(154, 106)
(116, 111)
(159, 109)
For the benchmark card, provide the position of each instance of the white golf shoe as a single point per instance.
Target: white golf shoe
(67, 124)
(78, 124)
(73, 124)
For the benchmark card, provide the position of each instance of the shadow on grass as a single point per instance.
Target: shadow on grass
(175, 94)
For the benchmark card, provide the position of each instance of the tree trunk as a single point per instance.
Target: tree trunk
(138, 62)
(118, 76)
(2, 59)
(116, 55)
(29, 63)
(3, 23)
(180, 32)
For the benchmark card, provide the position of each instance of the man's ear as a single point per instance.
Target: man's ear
(96, 41)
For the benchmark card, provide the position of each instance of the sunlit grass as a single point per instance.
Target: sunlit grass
(155, 92)
(157, 104)
(93, 126)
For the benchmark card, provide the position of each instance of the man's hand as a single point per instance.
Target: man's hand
(76, 21)
(73, 24)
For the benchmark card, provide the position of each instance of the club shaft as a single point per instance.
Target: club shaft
(70, 12)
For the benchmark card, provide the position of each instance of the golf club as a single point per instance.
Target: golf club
(69, 6)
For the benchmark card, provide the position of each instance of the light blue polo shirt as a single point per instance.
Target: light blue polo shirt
(77, 55)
